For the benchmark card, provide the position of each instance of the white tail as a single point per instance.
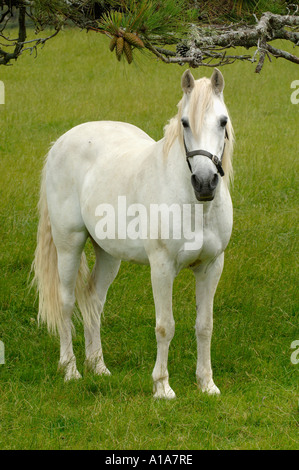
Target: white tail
(46, 276)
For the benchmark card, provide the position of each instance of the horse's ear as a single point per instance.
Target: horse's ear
(187, 82)
(217, 81)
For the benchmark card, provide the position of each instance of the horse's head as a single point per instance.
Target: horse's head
(204, 118)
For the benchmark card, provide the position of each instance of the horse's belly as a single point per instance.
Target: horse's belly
(125, 250)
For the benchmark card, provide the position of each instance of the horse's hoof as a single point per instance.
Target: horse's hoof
(101, 369)
(73, 375)
(211, 389)
(163, 391)
(69, 369)
(97, 367)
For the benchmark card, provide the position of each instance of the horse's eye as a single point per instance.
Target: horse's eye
(185, 122)
(223, 121)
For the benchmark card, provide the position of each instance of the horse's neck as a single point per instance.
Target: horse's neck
(176, 170)
(175, 164)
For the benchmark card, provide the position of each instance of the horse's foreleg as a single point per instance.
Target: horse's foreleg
(162, 276)
(105, 271)
(207, 278)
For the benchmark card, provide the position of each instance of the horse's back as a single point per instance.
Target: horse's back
(90, 164)
(91, 139)
(93, 145)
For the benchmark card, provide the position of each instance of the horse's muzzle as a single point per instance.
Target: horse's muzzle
(204, 189)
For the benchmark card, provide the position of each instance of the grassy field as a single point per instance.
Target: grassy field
(74, 79)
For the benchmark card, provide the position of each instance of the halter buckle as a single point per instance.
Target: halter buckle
(215, 160)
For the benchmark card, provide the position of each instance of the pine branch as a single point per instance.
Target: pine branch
(152, 24)
(205, 42)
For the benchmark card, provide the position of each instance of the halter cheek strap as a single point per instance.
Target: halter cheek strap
(217, 161)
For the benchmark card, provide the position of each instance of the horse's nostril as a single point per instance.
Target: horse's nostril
(214, 181)
(196, 183)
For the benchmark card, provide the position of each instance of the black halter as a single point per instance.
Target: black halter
(217, 161)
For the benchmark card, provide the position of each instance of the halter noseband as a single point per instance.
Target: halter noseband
(217, 161)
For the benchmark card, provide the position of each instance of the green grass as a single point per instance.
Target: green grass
(74, 79)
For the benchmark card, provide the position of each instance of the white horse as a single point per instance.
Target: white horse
(97, 162)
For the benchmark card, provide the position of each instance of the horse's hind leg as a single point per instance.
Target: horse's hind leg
(104, 272)
(68, 258)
